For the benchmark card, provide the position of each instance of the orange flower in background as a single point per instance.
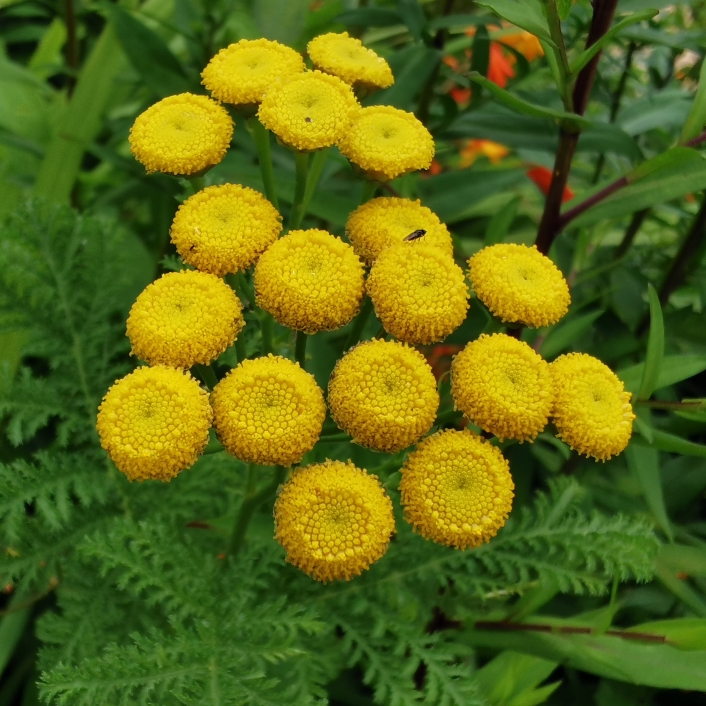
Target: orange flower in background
(452, 62)
(499, 67)
(474, 148)
(542, 177)
(525, 43)
(460, 95)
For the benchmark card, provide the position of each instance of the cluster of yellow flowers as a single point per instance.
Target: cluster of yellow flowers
(334, 520)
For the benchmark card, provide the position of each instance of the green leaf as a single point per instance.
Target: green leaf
(527, 15)
(697, 116)
(527, 108)
(47, 56)
(562, 336)
(675, 368)
(12, 627)
(462, 21)
(564, 8)
(413, 16)
(664, 441)
(674, 563)
(370, 17)
(280, 20)
(668, 108)
(655, 348)
(480, 59)
(644, 465)
(683, 633)
(501, 221)
(585, 56)
(149, 54)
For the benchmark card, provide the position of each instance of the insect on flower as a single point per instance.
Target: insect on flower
(416, 235)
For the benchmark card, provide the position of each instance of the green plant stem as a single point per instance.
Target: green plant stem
(369, 189)
(301, 163)
(630, 232)
(359, 323)
(300, 349)
(267, 329)
(208, 375)
(240, 283)
(261, 138)
(71, 43)
(554, 24)
(684, 406)
(316, 167)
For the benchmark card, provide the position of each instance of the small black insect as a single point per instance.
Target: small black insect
(416, 235)
(307, 120)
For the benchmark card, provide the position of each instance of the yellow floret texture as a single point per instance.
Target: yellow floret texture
(519, 285)
(347, 58)
(334, 520)
(182, 134)
(224, 229)
(309, 111)
(503, 386)
(387, 220)
(383, 393)
(184, 319)
(419, 292)
(268, 411)
(154, 423)
(386, 143)
(592, 410)
(456, 489)
(242, 72)
(310, 281)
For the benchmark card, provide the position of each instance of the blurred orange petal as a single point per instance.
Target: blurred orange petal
(525, 43)
(494, 151)
(542, 177)
(499, 68)
(460, 95)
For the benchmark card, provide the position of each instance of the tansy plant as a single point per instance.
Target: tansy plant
(296, 464)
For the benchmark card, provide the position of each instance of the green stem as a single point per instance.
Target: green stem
(554, 23)
(301, 162)
(300, 349)
(315, 169)
(261, 138)
(240, 283)
(369, 189)
(359, 323)
(683, 406)
(267, 328)
(208, 375)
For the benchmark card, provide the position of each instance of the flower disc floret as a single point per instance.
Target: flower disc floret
(334, 520)
(503, 386)
(154, 423)
(387, 220)
(592, 410)
(224, 229)
(310, 281)
(383, 393)
(386, 143)
(347, 58)
(456, 489)
(182, 134)
(268, 411)
(183, 319)
(419, 292)
(309, 111)
(242, 72)
(519, 284)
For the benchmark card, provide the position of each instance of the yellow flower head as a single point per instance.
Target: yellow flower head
(519, 284)
(268, 411)
(386, 143)
(154, 423)
(183, 319)
(383, 393)
(503, 386)
(334, 520)
(182, 134)
(309, 111)
(379, 223)
(592, 410)
(224, 229)
(242, 72)
(419, 292)
(347, 58)
(310, 281)
(456, 489)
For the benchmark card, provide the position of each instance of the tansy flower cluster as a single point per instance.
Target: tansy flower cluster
(333, 519)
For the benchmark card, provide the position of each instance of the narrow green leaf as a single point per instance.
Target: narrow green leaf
(12, 627)
(370, 17)
(644, 465)
(677, 156)
(413, 16)
(655, 348)
(560, 337)
(664, 441)
(675, 368)
(480, 59)
(527, 15)
(527, 108)
(446, 21)
(697, 115)
(564, 8)
(585, 56)
(684, 633)
(501, 221)
(47, 56)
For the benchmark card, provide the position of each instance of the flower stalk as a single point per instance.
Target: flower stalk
(301, 163)
(261, 137)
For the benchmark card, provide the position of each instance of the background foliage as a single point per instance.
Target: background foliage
(594, 593)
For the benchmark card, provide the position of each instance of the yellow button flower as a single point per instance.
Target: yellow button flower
(592, 410)
(419, 292)
(309, 111)
(154, 423)
(347, 58)
(385, 221)
(456, 489)
(224, 229)
(242, 72)
(183, 319)
(268, 411)
(182, 134)
(503, 386)
(383, 393)
(310, 281)
(386, 143)
(334, 520)
(519, 285)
